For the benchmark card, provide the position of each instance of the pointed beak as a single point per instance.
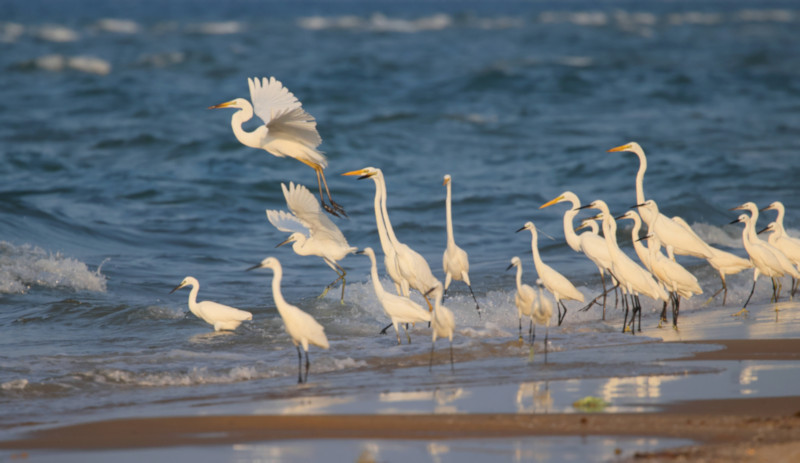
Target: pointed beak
(362, 172)
(523, 228)
(620, 217)
(645, 237)
(737, 208)
(763, 230)
(253, 267)
(287, 240)
(509, 267)
(176, 288)
(551, 202)
(637, 205)
(765, 208)
(585, 206)
(427, 293)
(620, 148)
(222, 105)
(735, 221)
(445, 181)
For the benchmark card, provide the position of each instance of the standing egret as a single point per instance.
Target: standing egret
(442, 324)
(301, 326)
(400, 309)
(781, 240)
(668, 232)
(413, 268)
(592, 245)
(675, 278)
(455, 261)
(287, 130)
(524, 299)
(312, 232)
(542, 313)
(556, 283)
(221, 317)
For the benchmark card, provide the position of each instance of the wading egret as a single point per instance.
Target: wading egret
(675, 278)
(312, 232)
(787, 247)
(781, 240)
(542, 314)
(221, 317)
(413, 268)
(301, 326)
(786, 264)
(443, 324)
(658, 224)
(592, 245)
(399, 309)
(556, 283)
(455, 261)
(287, 130)
(524, 299)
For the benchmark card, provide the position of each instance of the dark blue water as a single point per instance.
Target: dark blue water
(118, 182)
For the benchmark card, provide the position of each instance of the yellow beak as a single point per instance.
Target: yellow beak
(356, 172)
(620, 148)
(551, 202)
(222, 105)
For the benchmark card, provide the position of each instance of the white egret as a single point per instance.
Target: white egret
(524, 298)
(658, 224)
(301, 326)
(542, 314)
(763, 260)
(675, 278)
(443, 323)
(632, 277)
(788, 248)
(591, 224)
(312, 232)
(592, 245)
(455, 260)
(399, 309)
(641, 251)
(221, 317)
(413, 268)
(556, 283)
(287, 130)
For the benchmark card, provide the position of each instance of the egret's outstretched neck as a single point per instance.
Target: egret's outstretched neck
(252, 139)
(193, 299)
(535, 248)
(519, 276)
(374, 273)
(569, 231)
(450, 240)
(640, 176)
(280, 302)
(385, 243)
(779, 220)
(389, 230)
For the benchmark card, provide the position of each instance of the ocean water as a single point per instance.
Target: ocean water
(118, 182)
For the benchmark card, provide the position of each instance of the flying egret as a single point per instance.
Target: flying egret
(542, 313)
(413, 269)
(632, 277)
(556, 283)
(455, 261)
(301, 326)
(524, 298)
(221, 317)
(312, 232)
(442, 324)
(667, 231)
(400, 309)
(288, 130)
(592, 245)
(675, 278)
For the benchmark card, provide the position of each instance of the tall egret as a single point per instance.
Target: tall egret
(764, 261)
(668, 232)
(592, 245)
(455, 261)
(443, 323)
(632, 277)
(524, 298)
(221, 317)
(400, 309)
(301, 326)
(312, 232)
(556, 283)
(675, 278)
(288, 130)
(542, 313)
(413, 268)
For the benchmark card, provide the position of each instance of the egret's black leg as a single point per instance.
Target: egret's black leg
(308, 364)
(383, 331)
(477, 307)
(299, 366)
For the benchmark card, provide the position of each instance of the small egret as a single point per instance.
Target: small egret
(781, 240)
(592, 245)
(675, 278)
(301, 326)
(455, 261)
(542, 313)
(413, 268)
(556, 283)
(658, 224)
(442, 324)
(524, 299)
(287, 130)
(221, 317)
(787, 247)
(400, 309)
(591, 224)
(641, 251)
(312, 232)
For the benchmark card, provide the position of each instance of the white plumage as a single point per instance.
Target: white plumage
(221, 317)
(455, 261)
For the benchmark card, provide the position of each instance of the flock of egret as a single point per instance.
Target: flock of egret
(288, 131)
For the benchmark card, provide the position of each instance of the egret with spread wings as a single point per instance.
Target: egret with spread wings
(312, 232)
(288, 130)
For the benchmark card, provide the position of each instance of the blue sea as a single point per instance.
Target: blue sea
(117, 181)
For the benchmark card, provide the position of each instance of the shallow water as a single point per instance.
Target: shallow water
(117, 183)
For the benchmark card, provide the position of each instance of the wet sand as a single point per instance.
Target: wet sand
(742, 429)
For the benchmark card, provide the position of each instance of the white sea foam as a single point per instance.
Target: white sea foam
(117, 26)
(14, 385)
(59, 63)
(10, 32)
(192, 377)
(378, 22)
(55, 33)
(766, 16)
(24, 267)
(216, 28)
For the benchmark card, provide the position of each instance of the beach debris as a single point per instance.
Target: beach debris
(590, 404)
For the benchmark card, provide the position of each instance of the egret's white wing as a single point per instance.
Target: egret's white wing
(306, 208)
(286, 222)
(282, 113)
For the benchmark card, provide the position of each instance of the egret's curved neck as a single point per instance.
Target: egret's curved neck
(610, 233)
(251, 139)
(640, 176)
(374, 273)
(746, 237)
(193, 307)
(280, 302)
(569, 231)
(299, 247)
(637, 245)
(519, 277)
(385, 243)
(389, 230)
(450, 240)
(779, 220)
(535, 249)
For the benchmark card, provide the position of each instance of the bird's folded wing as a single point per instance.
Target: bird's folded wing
(306, 208)
(281, 112)
(286, 222)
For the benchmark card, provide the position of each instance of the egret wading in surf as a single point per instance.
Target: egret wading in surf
(287, 129)
(443, 324)
(221, 317)
(312, 232)
(455, 260)
(301, 326)
(524, 298)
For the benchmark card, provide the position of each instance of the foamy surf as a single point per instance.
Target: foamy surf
(25, 267)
